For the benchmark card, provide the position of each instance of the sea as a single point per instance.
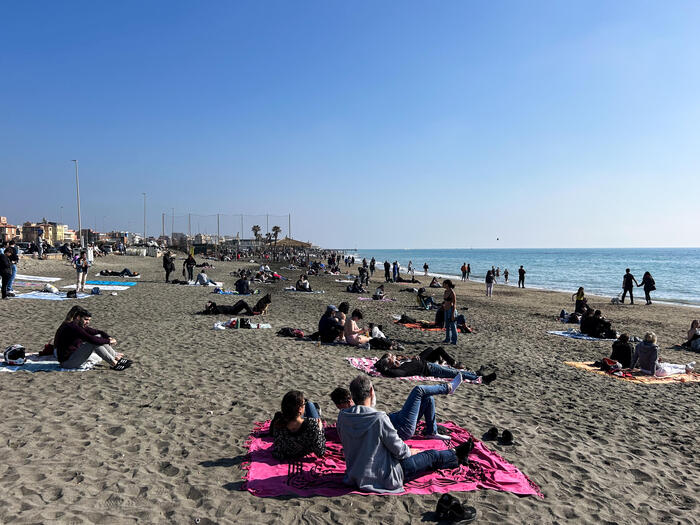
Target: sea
(600, 270)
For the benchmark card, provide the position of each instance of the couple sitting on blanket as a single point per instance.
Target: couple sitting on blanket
(431, 362)
(372, 339)
(377, 459)
(303, 284)
(260, 307)
(595, 325)
(75, 341)
(355, 287)
(646, 357)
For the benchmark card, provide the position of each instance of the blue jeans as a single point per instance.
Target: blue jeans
(419, 404)
(310, 411)
(450, 327)
(12, 278)
(448, 372)
(428, 460)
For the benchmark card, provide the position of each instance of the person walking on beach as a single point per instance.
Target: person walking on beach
(13, 255)
(469, 270)
(387, 271)
(489, 283)
(81, 267)
(168, 265)
(521, 277)
(649, 286)
(189, 264)
(5, 273)
(505, 275)
(449, 305)
(372, 265)
(627, 286)
(464, 271)
(425, 268)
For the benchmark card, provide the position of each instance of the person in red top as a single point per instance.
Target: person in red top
(75, 341)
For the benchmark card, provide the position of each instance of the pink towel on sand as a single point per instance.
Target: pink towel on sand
(268, 477)
(366, 364)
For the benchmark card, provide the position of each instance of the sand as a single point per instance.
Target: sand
(163, 442)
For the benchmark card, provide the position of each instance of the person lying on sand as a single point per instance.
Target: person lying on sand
(376, 458)
(419, 403)
(260, 307)
(297, 429)
(391, 365)
(75, 341)
(646, 355)
(124, 273)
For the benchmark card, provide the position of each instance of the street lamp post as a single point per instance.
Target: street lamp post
(144, 218)
(77, 190)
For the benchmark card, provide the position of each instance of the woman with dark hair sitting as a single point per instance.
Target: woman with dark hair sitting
(622, 351)
(297, 430)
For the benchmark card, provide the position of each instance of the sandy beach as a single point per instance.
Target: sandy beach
(163, 441)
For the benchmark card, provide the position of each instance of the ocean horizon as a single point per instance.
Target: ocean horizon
(598, 270)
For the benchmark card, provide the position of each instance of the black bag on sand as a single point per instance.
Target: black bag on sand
(405, 319)
(244, 322)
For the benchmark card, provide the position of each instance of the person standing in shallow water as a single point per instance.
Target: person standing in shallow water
(521, 277)
(464, 271)
(425, 268)
(627, 286)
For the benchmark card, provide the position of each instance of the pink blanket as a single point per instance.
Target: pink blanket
(268, 477)
(366, 364)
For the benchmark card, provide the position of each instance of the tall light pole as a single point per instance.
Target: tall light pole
(144, 218)
(77, 190)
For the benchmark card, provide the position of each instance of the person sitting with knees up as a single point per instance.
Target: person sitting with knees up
(435, 283)
(379, 293)
(297, 430)
(426, 301)
(622, 351)
(330, 327)
(75, 341)
(419, 404)
(376, 458)
(203, 279)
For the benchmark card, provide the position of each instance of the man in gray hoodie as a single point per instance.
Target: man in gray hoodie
(376, 459)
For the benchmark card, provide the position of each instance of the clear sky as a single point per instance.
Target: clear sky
(376, 124)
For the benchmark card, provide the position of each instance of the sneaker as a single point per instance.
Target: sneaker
(690, 367)
(454, 385)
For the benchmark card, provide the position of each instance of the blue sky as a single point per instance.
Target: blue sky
(375, 124)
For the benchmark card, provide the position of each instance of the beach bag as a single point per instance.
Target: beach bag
(72, 294)
(244, 323)
(14, 355)
(95, 290)
(609, 365)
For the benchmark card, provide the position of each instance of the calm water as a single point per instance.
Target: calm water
(675, 270)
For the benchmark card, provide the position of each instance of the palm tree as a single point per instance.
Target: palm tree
(256, 231)
(276, 230)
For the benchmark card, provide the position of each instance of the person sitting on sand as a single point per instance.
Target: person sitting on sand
(581, 301)
(435, 283)
(297, 430)
(693, 340)
(622, 351)
(303, 284)
(646, 357)
(376, 458)
(390, 365)
(425, 301)
(330, 328)
(75, 341)
(597, 326)
(419, 404)
(204, 280)
(379, 293)
(354, 335)
(242, 286)
(355, 287)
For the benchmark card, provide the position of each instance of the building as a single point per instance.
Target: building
(8, 231)
(31, 231)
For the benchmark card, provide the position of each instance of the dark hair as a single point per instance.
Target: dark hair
(448, 282)
(627, 270)
(360, 389)
(340, 395)
(72, 313)
(291, 402)
(83, 252)
(597, 312)
(344, 307)
(356, 313)
(382, 364)
(624, 338)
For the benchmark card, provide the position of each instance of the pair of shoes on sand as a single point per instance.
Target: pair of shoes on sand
(450, 509)
(122, 364)
(506, 437)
